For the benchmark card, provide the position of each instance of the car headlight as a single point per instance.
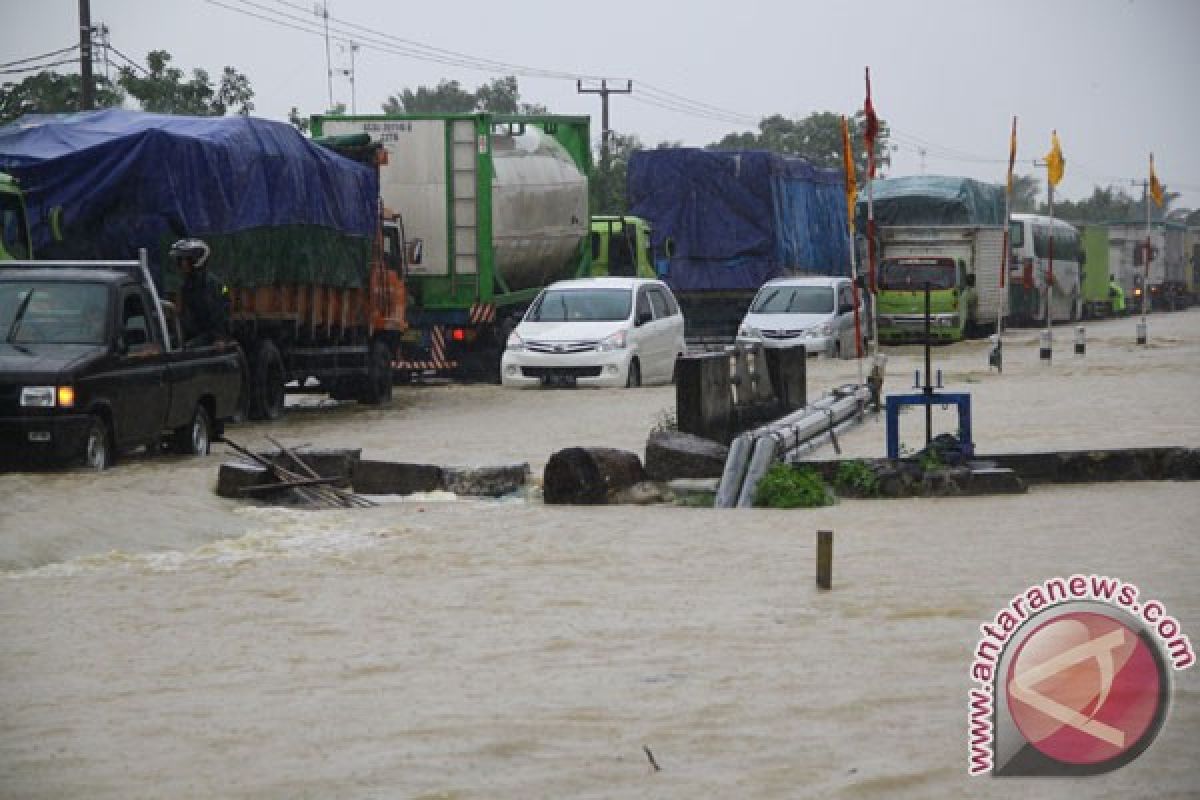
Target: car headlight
(748, 331)
(38, 396)
(614, 342)
(515, 342)
(824, 329)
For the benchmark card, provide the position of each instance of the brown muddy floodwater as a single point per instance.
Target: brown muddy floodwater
(162, 642)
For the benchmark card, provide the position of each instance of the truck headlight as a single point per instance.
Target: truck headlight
(614, 342)
(39, 396)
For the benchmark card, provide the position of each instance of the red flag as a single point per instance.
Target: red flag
(871, 130)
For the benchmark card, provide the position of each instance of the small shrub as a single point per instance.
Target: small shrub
(786, 487)
(855, 477)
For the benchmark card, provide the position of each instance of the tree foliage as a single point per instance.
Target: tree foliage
(50, 93)
(817, 137)
(164, 89)
(1109, 204)
(501, 96)
(1025, 194)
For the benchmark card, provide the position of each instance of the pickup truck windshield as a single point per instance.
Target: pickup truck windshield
(44, 312)
(582, 305)
(794, 300)
(913, 275)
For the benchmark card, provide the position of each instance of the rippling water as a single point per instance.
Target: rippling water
(163, 642)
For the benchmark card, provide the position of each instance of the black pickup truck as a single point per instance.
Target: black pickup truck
(87, 371)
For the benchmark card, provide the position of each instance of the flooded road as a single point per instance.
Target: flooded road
(163, 642)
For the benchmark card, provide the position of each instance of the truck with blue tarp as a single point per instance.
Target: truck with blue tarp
(941, 232)
(726, 222)
(313, 275)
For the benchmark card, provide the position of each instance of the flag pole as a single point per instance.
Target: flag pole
(869, 142)
(1146, 254)
(1005, 264)
(851, 192)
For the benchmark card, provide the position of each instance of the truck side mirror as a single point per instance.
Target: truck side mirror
(971, 279)
(669, 247)
(56, 223)
(416, 246)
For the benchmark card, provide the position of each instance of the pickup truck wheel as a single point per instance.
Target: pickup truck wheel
(266, 375)
(378, 389)
(195, 439)
(98, 454)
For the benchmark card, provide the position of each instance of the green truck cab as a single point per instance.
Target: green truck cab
(901, 298)
(14, 223)
(621, 247)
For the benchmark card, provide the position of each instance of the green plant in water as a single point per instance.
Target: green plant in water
(856, 477)
(787, 487)
(931, 460)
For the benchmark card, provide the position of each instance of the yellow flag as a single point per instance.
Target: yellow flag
(851, 180)
(1055, 163)
(1156, 189)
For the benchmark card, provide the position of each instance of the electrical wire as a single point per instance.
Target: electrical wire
(59, 51)
(37, 67)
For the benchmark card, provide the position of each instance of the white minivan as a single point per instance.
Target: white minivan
(817, 312)
(596, 332)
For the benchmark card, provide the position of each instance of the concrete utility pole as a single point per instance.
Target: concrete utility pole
(604, 92)
(322, 10)
(87, 99)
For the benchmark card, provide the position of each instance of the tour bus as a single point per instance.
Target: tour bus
(1044, 250)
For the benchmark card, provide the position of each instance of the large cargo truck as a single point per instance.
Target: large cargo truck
(946, 233)
(14, 225)
(726, 222)
(1165, 279)
(621, 247)
(500, 205)
(1098, 294)
(314, 282)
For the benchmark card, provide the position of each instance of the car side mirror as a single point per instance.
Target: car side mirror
(846, 308)
(971, 280)
(643, 317)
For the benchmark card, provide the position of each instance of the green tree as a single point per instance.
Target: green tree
(52, 92)
(303, 123)
(606, 189)
(501, 96)
(817, 137)
(164, 89)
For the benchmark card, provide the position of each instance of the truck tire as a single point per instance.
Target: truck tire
(266, 382)
(98, 449)
(377, 389)
(195, 438)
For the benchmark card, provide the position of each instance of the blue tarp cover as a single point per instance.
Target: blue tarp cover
(739, 218)
(932, 200)
(128, 179)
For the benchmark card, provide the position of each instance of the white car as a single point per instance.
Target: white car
(815, 312)
(596, 332)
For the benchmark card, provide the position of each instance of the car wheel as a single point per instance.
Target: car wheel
(634, 379)
(267, 375)
(195, 439)
(98, 454)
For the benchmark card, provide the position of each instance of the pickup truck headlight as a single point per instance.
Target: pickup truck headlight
(614, 342)
(38, 396)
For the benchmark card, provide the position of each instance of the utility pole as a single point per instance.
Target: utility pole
(87, 99)
(322, 10)
(349, 73)
(604, 92)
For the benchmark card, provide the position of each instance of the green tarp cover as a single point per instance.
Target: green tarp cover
(933, 200)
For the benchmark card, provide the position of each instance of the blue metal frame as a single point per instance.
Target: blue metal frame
(893, 403)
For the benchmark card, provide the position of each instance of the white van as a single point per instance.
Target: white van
(596, 332)
(815, 312)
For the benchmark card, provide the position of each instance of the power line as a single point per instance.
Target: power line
(59, 51)
(129, 60)
(36, 67)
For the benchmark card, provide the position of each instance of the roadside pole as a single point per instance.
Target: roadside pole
(1146, 265)
(1050, 260)
(851, 193)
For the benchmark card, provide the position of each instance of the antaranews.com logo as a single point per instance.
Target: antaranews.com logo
(1071, 678)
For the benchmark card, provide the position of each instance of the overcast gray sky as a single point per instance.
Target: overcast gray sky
(1117, 78)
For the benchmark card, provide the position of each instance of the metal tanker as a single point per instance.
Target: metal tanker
(499, 204)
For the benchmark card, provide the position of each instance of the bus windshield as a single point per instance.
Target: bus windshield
(913, 274)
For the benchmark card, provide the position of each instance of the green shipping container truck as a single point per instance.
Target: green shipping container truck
(499, 206)
(1095, 284)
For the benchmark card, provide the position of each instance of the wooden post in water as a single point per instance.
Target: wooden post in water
(824, 559)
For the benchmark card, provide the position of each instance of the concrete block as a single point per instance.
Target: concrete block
(389, 477)
(671, 455)
(486, 481)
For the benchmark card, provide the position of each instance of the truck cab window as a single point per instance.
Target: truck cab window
(133, 321)
(13, 242)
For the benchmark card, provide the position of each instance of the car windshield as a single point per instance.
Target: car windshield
(794, 300)
(42, 312)
(581, 305)
(913, 275)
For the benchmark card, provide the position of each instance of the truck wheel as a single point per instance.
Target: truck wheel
(195, 439)
(378, 388)
(266, 376)
(98, 453)
(634, 380)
